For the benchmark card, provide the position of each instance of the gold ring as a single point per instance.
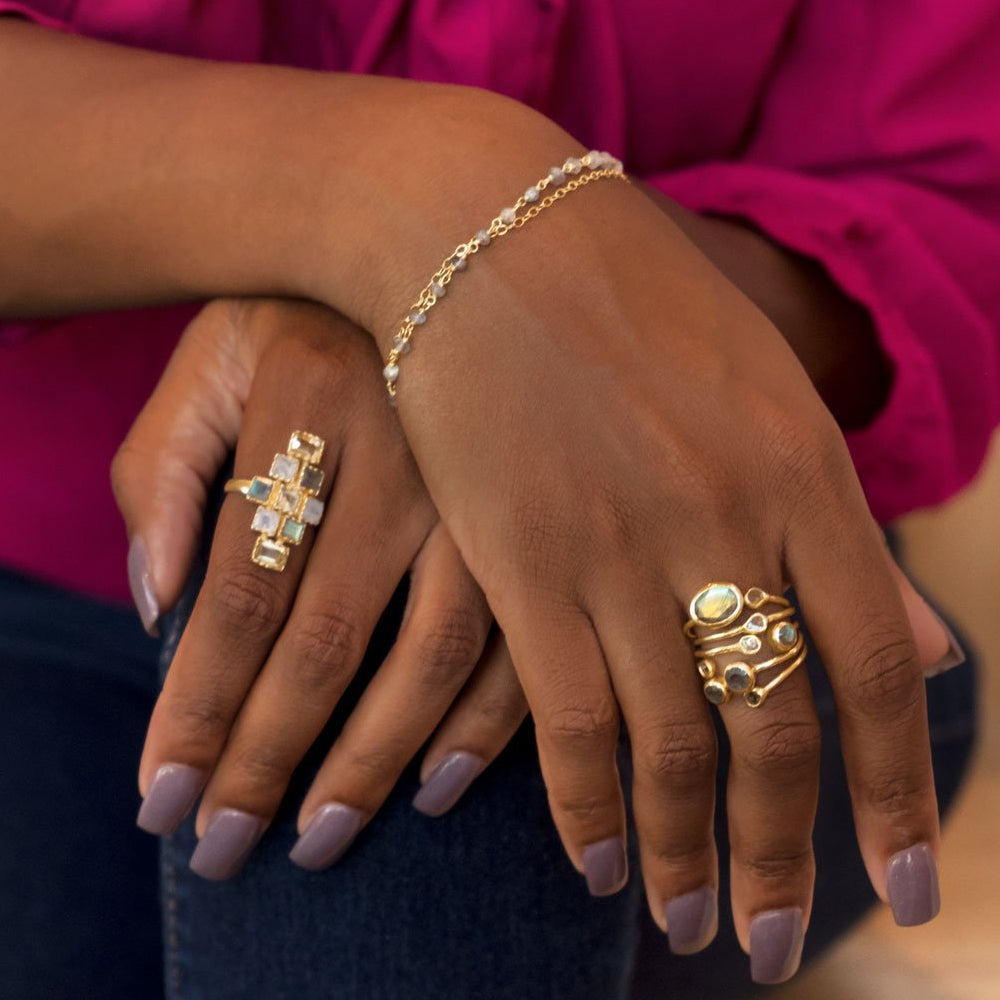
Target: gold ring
(286, 499)
(729, 623)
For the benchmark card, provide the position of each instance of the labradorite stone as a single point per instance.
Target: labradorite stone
(293, 530)
(786, 635)
(715, 692)
(312, 478)
(260, 489)
(716, 604)
(739, 677)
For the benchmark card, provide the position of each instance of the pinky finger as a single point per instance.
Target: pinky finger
(480, 723)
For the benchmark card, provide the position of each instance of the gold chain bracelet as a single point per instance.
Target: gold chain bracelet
(573, 174)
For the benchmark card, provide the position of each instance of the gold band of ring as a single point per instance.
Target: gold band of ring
(286, 498)
(729, 623)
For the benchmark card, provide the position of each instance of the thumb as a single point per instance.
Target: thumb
(937, 647)
(174, 450)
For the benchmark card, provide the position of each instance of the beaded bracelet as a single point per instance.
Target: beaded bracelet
(573, 174)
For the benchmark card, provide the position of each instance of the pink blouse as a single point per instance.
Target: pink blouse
(865, 134)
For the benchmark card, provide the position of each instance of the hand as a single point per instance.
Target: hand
(266, 656)
(615, 442)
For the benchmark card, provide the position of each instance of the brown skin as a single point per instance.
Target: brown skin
(596, 449)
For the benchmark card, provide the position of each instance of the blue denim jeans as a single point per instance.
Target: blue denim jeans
(480, 904)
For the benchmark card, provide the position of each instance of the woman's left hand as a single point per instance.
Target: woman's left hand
(266, 656)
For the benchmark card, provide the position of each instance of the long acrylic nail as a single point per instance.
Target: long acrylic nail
(140, 582)
(227, 842)
(691, 920)
(955, 656)
(446, 783)
(329, 833)
(775, 945)
(912, 881)
(605, 866)
(171, 794)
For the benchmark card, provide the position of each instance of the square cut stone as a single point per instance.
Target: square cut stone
(312, 479)
(292, 531)
(260, 489)
(287, 500)
(306, 446)
(284, 467)
(312, 511)
(266, 520)
(270, 554)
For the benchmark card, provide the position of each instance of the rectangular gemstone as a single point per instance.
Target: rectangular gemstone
(288, 500)
(265, 519)
(260, 489)
(284, 467)
(312, 511)
(292, 531)
(306, 446)
(312, 479)
(270, 554)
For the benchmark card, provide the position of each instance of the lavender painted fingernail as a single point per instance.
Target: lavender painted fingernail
(955, 656)
(229, 838)
(776, 945)
(691, 920)
(327, 836)
(171, 794)
(912, 881)
(605, 866)
(140, 582)
(446, 783)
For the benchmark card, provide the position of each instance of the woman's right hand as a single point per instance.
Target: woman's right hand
(267, 656)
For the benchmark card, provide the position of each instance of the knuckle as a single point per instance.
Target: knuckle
(200, 719)
(243, 602)
(776, 866)
(681, 855)
(682, 756)
(327, 642)
(449, 646)
(583, 809)
(569, 726)
(792, 748)
(886, 680)
(377, 767)
(262, 766)
(503, 713)
(899, 795)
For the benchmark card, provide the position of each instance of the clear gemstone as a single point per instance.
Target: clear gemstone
(739, 677)
(288, 499)
(558, 175)
(312, 478)
(572, 165)
(390, 373)
(716, 604)
(707, 669)
(756, 597)
(418, 317)
(750, 644)
(284, 467)
(260, 489)
(755, 623)
(312, 511)
(266, 520)
(531, 195)
(437, 290)
(400, 344)
(308, 447)
(483, 238)
(785, 635)
(507, 216)
(755, 698)
(292, 531)
(270, 554)
(716, 692)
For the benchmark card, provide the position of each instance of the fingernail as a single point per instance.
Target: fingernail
(227, 842)
(775, 945)
(171, 794)
(327, 836)
(955, 656)
(604, 866)
(691, 921)
(446, 783)
(141, 583)
(912, 880)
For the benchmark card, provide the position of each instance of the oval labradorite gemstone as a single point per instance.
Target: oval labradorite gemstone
(739, 677)
(716, 692)
(717, 604)
(785, 635)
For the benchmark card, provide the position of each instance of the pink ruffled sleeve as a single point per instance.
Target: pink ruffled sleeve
(876, 151)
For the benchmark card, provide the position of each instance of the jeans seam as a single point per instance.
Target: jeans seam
(171, 933)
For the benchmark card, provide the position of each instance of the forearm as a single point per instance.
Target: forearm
(130, 177)
(832, 336)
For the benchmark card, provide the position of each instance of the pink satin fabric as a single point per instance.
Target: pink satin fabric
(863, 134)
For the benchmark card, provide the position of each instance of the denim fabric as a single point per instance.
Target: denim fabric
(480, 904)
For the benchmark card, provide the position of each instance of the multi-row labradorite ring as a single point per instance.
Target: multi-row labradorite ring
(286, 499)
(739, 638)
